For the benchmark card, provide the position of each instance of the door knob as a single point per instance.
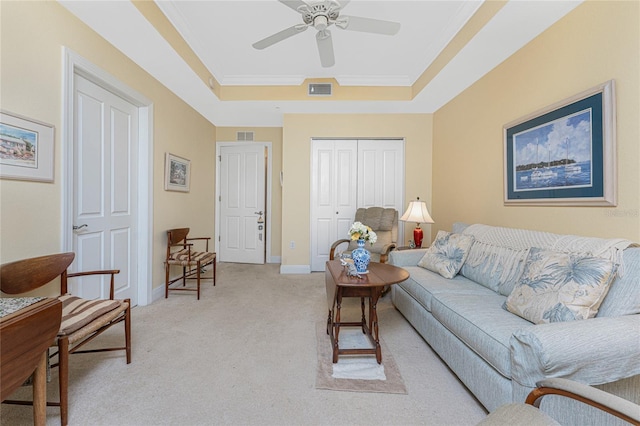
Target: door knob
(84, 225)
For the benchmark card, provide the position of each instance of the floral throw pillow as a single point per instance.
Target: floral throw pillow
(557, 287)
(447, 253)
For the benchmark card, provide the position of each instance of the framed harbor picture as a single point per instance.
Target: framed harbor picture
(26, 148)
(564, 154)
(177, 173)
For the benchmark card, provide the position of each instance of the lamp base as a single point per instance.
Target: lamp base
(417, 236)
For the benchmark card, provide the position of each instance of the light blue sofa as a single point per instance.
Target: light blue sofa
(500, 356)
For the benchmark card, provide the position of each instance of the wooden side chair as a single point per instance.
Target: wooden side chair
(180, 252)
(82, 319)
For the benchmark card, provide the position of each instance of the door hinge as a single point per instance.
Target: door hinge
(220, 158)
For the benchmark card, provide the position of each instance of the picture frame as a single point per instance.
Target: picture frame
(177, 173)
(564, 154)
(26, 148)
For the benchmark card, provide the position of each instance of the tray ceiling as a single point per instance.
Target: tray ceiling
(201, 50)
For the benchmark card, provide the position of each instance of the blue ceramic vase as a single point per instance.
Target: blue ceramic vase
(361, 257)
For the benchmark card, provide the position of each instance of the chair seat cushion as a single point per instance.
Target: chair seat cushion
(78, 312)
(181, 257)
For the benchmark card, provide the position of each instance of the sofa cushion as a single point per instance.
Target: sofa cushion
(480, 322)
(558, 286)
(447, 253)
(423, 284)
(494, 267)
(623, 297)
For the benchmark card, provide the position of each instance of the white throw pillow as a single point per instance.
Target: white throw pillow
(557, 287)
(447, 253)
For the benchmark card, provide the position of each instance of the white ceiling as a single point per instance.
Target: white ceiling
(221, 32)
(227, 30)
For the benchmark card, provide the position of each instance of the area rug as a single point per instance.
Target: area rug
(355, 373)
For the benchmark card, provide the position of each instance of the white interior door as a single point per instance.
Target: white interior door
(105, 147)
(381, 173)
(242, 203)
(333, 195)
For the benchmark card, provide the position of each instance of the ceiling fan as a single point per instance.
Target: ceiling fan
(321, 15)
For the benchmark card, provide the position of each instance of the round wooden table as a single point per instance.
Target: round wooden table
(370, 286)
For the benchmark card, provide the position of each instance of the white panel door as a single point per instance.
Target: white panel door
(105, 150)
(333, 195)
(381, 174)
(242, 203)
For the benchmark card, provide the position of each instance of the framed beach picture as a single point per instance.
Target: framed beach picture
(564, 154)
(177, 173)
(26, 148)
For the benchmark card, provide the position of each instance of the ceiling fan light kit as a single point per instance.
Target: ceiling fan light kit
(321, 15)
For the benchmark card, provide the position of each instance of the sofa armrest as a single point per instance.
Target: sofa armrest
(406, 257)
(593, 351)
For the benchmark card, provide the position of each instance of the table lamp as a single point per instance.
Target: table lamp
(417, 212)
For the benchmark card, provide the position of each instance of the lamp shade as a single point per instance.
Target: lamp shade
(417, 212)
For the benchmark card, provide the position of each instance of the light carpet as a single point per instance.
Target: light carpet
(245, 354)
(355, 373)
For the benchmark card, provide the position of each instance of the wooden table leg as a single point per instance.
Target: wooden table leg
(373, 317)
(364, 319)
(336, 326)
(329, 325)
(40, 392)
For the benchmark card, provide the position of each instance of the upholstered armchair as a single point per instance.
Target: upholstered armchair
(530, 414)
(384, 222)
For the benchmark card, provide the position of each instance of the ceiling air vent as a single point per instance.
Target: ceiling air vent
(320, 89)
(244, 136)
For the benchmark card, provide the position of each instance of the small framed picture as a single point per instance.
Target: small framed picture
(26, 148)
(177, 173)
(565, 154)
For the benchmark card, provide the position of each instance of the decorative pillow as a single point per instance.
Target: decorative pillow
(557, 287)
(447, 253)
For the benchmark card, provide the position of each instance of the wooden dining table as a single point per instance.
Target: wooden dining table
(25, 335)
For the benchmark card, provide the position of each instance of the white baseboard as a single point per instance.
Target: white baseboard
(275, 259)
(157, 293)
(295, 269)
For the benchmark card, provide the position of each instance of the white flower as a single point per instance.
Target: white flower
(360, 231)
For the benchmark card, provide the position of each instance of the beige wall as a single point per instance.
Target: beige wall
(298, 131)
(273, 135)
(32, 37)
(596, 42)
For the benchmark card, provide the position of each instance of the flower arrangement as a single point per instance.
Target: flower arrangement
(360, 231)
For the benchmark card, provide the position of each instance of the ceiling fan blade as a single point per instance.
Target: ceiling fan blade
(293, 4)
(367, 25)
(325, 48)
(343, 3)
(279, 36)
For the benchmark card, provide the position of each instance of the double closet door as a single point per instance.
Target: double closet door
(346, 175)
